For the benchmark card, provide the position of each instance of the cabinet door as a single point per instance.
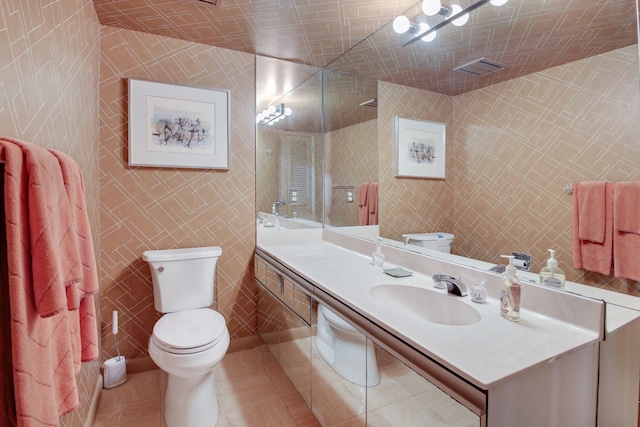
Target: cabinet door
(295, 337)
(335, 398)
(269, 319)
(267, 275)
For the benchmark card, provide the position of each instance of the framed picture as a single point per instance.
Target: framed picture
(420, 148)
(178, 126)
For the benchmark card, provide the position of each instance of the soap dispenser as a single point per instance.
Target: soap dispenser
(510, 292)
(552, 275)
(378, 256)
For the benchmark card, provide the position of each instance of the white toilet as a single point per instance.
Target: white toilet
(437, 241)
(345, 349)
(190, 338)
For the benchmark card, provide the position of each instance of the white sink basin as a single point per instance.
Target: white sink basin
(426, 305)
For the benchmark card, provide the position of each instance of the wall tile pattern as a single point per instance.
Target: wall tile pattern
(350, 156)
(49, 95)
(518, 143)
(156, 208)
(412, 205)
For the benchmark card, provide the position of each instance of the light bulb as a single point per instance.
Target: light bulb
(401, 24)
(429, 37)
(260, 116)
(431, 7)
(265, 113)
(271, 109)
(287, 111)
(498, 2)
(458, 22)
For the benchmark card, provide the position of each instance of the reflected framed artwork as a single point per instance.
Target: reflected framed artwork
(178, 126)
(420, 148)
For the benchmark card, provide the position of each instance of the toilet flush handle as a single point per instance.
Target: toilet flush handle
(160, 269)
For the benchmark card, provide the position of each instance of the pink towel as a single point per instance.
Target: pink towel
(372, 203)
(363, 209)
(44, 365)
(626, 224)
(588, 252)
(54, 248)
(591, 200)
(86, 341)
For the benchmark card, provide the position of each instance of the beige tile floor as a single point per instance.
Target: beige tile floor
(254, 390)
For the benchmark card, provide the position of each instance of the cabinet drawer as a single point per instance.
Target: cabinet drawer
(268, 276)
(297, 299)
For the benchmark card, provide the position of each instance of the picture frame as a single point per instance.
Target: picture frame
(420, 148)
(177, 126)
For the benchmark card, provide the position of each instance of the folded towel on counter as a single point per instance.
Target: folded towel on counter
(593, 242)
(626, 224)
(363, 209)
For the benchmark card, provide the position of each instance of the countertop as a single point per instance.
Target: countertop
(485, 353)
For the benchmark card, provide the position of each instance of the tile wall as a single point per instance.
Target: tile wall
(350, 158)
(155, 208)
(411, 205)
(49, 95)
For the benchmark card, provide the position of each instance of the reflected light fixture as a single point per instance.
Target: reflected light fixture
(273, 115)
(452, 14)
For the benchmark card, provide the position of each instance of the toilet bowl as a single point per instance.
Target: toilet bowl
(346, 350)
(190, 339)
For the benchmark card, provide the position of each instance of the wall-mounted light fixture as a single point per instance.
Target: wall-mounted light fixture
(420, 29)
(273, 115)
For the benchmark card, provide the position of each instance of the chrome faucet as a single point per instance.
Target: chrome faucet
(276, 204)
(454, 286)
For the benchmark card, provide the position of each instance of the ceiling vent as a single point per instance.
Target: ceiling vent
(370, 103)
(480, 67)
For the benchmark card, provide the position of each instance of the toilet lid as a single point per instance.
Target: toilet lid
(189, 331)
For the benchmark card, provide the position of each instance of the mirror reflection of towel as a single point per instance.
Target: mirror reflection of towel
(626, 225)
(588, 253)
(363, 209)
(372, 203)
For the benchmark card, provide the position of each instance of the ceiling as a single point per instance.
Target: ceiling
(524, 35)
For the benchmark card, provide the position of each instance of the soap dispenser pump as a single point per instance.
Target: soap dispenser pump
(552, 275)
(510, 292)
(378, 256)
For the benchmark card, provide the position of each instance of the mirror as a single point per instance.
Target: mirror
(289, 148)
(564, 108)
(515, 138)
(328, 141)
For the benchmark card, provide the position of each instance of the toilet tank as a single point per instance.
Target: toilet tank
(436, 241)
(183, 279)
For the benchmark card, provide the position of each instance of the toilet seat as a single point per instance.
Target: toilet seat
(189, 331)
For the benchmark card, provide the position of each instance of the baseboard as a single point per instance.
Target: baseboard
(246, 343)
(95, 402)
